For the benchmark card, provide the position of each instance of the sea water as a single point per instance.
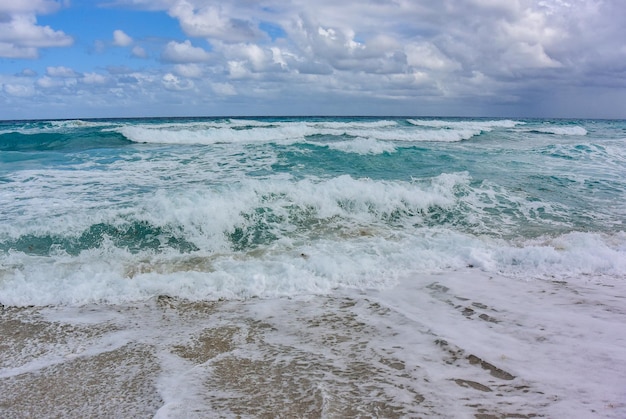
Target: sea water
(121, 210)
(125, 212)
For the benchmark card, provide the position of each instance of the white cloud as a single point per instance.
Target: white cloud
(427, 56)
(459, 51)
(199, 19)
(191, 70)
(120, 38)
(9, 50)
(525, 56)
(94, 78)
(491, 36)
(313, 67)
(184, 53)
(139, 52)
(21, 37)
(252, 56)
(28, 72)
(223, 89)
(172, 82)
(49, 82)
(19, 90)
(238, 70)
(60, 71)
(30, 6)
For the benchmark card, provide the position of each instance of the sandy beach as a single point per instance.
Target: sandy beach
(456, 345)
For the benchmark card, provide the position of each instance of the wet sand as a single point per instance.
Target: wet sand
(441, 347)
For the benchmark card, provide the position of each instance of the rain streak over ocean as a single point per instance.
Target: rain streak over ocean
(308, 254)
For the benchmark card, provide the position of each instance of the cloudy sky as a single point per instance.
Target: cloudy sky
(116, 58)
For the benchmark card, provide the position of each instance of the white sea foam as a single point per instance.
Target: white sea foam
(70, 125)
(350, 239)
(362, 146)
(77, 123)
(198, 197)
(452, 131)
(363, 258)
(438, 135)
(247, 131)
(29, 128)
(210, 135)
(486, 343)
(285, 132)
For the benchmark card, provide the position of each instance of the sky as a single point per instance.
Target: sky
(136, 58)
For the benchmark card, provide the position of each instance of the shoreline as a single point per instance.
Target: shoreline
(460, 344)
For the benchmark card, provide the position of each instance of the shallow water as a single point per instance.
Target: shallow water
(451, 345)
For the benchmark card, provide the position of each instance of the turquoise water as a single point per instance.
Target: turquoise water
(118, 210)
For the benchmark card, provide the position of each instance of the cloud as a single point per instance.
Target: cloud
(60, 71)
(172, 82)
(313, 67)
(30, 6)
(252, 57)
(49, 83)
(191, 70)
(448, 40)
(28, 72)
(119, 69)
(425, 55)
(20, 36)
(184, 52)
(94, 78)
(120, 39)
(139, 52)
(19, 90)
(9, 50)
(223, 89)
(217, 22)
(493, 55)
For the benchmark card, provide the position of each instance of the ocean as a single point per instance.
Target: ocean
(313, 267)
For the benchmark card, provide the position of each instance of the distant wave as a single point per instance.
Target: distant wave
(252, 131)
(471, 124)
(362, 146)
(54, 126)
(79, 123)
(452, 131)
(560, 130)
(182, 134)
(58, 141)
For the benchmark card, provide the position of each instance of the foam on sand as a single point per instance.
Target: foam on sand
(463, 344)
